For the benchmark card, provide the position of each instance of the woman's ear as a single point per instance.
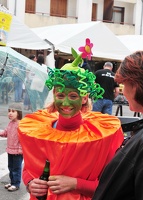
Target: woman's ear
(84, 99)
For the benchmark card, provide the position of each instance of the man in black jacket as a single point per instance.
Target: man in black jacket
(105, 77)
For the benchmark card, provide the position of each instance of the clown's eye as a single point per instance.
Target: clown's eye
(60, 95)
(73, 96)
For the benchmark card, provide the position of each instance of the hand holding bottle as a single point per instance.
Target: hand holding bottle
(44, 176)
(59, 184)
(38, 187)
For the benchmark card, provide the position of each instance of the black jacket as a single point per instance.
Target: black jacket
(105, 78)
(122, 178)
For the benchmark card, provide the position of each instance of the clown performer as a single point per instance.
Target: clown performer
(77, 142)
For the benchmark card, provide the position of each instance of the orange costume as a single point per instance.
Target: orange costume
(81, 153)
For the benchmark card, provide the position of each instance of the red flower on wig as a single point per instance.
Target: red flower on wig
(86, 50)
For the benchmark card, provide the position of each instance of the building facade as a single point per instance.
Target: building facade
(121, 16)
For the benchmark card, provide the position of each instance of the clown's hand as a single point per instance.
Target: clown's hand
(38, 187)
(60, 184)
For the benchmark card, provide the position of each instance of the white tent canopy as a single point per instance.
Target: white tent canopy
(21, 36)
(132, 42)
(65, 36)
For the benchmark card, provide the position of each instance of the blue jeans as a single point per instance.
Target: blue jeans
(103, 105)
(15, 168)
(17, 88)
(26, 99)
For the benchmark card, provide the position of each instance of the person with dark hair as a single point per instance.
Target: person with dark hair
(33, 57)
(85, 65)
(14, 149)
(105, 77)
(122, 177)
(77, 142)
(40, 59)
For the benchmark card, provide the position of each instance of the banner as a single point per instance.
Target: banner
(5, 22)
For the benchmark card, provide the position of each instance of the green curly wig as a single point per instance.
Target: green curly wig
(72, 76)
(80, 79)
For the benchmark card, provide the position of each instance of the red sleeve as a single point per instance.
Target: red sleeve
(86, 187)
(26, 176)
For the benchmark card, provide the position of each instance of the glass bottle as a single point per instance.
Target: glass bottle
(44, 176)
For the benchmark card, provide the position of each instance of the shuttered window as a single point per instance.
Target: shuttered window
(30, 6)
(108, 10)
(94, 12)
(58, 8)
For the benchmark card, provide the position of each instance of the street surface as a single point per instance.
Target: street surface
(21, 194)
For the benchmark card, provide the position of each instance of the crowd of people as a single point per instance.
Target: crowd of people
(78, 135)
(16, 84)
(34, 98)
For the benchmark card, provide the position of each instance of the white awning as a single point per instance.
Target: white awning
(65, 36)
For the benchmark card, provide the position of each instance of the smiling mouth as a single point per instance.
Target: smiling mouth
(66, 110)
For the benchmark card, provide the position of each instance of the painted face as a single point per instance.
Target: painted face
(129, 93)
(68, 103)
(12, 114)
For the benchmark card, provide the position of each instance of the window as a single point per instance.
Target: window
(108, 10)
(30, 6)
(58, 8)
(118, 15)
(94, 12)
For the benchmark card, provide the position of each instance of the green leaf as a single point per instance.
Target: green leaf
(74, 53)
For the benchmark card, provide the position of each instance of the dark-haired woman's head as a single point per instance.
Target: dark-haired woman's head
(130, 73)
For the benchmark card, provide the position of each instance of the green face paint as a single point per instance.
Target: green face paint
(68, 103)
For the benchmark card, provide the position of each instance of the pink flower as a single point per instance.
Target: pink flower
(86, 50)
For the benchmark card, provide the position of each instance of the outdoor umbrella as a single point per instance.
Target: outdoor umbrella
(17, 74)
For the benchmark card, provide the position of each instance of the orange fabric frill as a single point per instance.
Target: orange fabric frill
(82, 153)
